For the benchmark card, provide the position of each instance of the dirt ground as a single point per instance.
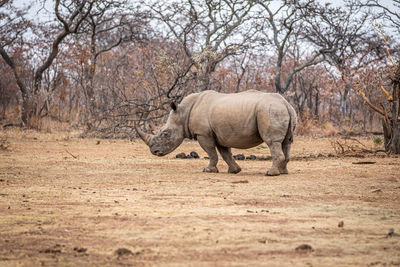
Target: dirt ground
(67, 201)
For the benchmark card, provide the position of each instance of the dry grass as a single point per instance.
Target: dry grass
(69, 201)
(4, 144)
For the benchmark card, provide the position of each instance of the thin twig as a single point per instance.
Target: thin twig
(75, 157)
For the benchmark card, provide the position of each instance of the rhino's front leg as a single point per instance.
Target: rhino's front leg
(226, 154)
(208, 144)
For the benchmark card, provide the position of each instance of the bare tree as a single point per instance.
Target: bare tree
(347, 31)
(108, 25)
(209, 31)
(391, 111)
(388, 12)
(280, 27)
(70, 15)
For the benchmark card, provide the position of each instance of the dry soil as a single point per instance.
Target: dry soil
(67, 201)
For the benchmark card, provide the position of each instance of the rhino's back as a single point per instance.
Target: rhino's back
(232, 118)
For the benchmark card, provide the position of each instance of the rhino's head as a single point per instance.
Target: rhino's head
(168, 138)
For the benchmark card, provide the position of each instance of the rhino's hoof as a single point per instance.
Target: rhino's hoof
(234, 170)
(213, 169)
(284, 171)
(272, 173)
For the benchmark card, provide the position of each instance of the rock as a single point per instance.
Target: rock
(181, 156)
(304, 248)
(53, 250)
(341, 224)
(251, 157)
(364, 162)
(194, 155)
(240, 182)
(123, 252)
(239, 157)
(80, 250)
(392, 233)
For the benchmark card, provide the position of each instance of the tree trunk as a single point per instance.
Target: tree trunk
(26, 109)
(343, 101)
(316, 111)
(391, 127)
(395, 142)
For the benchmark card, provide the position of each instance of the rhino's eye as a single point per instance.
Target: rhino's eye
(165, 133)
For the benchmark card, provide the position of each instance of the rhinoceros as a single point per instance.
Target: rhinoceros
(224, 121)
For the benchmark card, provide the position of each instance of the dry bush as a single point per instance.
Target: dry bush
(351, 147)
(4, 144)
(311, 127)
(328, 129)
(304, 127)
(48, 125)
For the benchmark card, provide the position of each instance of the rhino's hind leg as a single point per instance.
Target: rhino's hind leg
(278, 159)
(208, 144)
(227, 156)
(286, 150)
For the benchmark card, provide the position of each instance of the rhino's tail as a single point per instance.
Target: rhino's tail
(292, 124)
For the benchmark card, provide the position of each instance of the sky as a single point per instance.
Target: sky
(38, 6)
(49, 3)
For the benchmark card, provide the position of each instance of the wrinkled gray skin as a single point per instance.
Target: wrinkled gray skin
(223, 121)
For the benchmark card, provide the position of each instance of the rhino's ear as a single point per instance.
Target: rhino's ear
(173, 106)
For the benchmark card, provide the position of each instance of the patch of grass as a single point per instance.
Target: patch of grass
(377, 141)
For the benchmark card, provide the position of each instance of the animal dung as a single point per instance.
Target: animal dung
(181, 156)
(239, 157)
(192, 155)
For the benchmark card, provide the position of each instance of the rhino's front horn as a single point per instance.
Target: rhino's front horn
(145, 136)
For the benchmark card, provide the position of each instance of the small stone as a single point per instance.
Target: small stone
(80, 250)
(239, 157)
(240, 182)
(341, 224)
(181, 156)
(392, 233)
(123, 252)
(194, 154)
(251, 157)
(304, 248)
